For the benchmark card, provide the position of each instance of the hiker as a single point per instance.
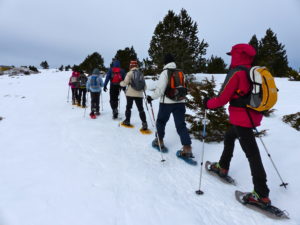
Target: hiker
(241, 128)
(168, 106)
(82, 89)
(115, 75)
(134, 93)
(74, 84)
(94, 85)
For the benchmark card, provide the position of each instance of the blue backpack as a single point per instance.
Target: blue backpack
(94, 82)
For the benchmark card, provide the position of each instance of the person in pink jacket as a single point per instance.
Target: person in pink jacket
(236, 87)
(74, 84)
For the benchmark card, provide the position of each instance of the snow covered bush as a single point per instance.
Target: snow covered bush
(217, 119)
(293, 120)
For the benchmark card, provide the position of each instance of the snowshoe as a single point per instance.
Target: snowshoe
(145, 131)
(93, 116)
(268, 210)
(188, 157)
(222, 176)
(155, 145)
(126, 124)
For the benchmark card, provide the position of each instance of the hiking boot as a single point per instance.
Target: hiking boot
(98, 113)
(155, 143)
(126, 123)
(255, 199)
(115, 113)
(186, 152)
(144, 126)
(215, 167)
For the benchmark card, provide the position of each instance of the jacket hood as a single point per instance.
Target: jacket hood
(242, 54)
(96, 71)
(75, 74)
(116, 63)
(171, 65)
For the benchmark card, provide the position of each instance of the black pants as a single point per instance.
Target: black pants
(114, 92)
(82, 95)
(95, 101)
(248, 143)
(75, 96)
(139, 105)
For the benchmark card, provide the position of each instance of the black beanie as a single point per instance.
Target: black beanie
(168, 58)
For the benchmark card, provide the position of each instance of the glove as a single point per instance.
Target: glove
(105, 89)
(205, 100)
(123, 89)
(149, 99)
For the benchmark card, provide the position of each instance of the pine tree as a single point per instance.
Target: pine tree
(271, 54)
(125, 56)
(218, 119)
(67, 68)
(61, 68)
(91, 62)
(255, 44)
(177, 34)
(216, 65)
(44, 65)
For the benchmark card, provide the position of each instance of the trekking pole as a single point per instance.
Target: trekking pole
(68, 93)
(269, 155)
(199, 192)
(155, 127)
(148, 109)
(101, 99)
(87, 100)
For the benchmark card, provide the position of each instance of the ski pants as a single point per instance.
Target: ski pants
(178, 111)
(114, 92)
(248, 143)
(95, 100)
(75, 96)
(82, 95)
(139, 104)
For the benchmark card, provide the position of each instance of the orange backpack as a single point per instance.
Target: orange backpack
(176, 87)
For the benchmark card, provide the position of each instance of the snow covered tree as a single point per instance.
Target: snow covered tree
(177, 34)
(218, 119)
(44, 65)
(125, 56)
(216, 65)
(91, 62)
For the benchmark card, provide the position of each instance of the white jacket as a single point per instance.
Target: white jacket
(162, 85)
(130, 92)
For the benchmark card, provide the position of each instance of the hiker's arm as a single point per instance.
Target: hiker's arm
(126, 81)
(226, 95)
(107, 78)
(161, 85)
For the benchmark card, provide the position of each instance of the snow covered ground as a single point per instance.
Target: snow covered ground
(58, 167)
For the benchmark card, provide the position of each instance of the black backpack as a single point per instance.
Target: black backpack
(82, 81)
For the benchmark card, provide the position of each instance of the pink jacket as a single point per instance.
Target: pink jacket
(241, 55)
(74, 74)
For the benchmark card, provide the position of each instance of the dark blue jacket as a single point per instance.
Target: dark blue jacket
(116, 63)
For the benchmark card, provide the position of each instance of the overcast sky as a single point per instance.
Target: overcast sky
(66, 31)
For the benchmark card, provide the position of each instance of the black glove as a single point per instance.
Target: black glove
(205, 100)
(149, 99)
(105, 89)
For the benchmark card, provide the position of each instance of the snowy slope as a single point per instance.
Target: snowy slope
(58, 167)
